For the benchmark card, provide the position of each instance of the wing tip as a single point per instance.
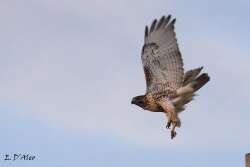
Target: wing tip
(146, 31)
(152, 27)
(163, 22)
(160, 22)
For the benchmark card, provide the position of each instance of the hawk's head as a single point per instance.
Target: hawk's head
(139, 101)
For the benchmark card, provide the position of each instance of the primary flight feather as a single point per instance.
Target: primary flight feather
(168, 87)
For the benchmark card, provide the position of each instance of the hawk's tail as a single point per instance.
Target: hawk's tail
(200, 81)
(186, 93)
(193, 80)
(190, 75)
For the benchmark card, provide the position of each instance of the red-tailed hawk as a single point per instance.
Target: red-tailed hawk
(168, 87)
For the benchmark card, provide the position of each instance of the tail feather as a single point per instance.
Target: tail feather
(200, 81)
(191, 75)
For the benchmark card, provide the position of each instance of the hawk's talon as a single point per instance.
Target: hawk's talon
(168, 124)
(173, 134)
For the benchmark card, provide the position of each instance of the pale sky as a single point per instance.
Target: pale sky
(69, 69)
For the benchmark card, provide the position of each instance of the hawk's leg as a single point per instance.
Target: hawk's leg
(170, 111)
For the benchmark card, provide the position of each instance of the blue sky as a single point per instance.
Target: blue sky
(69, 69)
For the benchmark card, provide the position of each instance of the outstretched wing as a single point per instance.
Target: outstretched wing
(161, 58)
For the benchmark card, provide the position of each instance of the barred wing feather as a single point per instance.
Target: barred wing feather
(161, 58)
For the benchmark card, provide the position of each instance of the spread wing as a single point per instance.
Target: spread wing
(161, 58)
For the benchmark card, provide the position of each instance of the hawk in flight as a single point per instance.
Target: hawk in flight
(169, 89)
